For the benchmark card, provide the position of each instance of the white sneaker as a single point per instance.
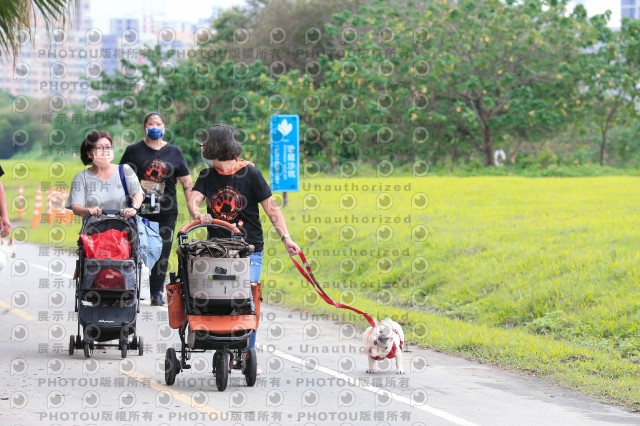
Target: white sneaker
(258, 370)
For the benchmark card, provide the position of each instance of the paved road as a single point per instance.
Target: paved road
(314, 373)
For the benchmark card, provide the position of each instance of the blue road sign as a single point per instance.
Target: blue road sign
(285, 153)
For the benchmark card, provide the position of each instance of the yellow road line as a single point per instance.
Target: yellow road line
(19, 312)
(185, 399)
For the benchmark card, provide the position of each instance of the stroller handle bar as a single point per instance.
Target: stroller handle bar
(188, 227)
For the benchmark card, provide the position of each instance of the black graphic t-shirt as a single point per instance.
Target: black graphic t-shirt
(1, 171)
(158, 171)
(235, 198)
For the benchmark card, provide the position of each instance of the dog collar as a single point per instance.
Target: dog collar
(392, 352)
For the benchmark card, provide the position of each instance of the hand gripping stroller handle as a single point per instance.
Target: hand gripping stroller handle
(187, 227)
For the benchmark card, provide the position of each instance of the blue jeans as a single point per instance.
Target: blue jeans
(255, 268)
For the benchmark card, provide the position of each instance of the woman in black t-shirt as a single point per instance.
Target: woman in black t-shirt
(234, 188)
(159, 165)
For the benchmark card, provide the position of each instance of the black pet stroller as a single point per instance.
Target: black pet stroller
(108, 290)
(209, 304)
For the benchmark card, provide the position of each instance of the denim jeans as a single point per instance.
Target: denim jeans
(167, 225)
(255, 268)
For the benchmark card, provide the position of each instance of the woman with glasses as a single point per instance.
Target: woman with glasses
(100, 187)
(159, 166)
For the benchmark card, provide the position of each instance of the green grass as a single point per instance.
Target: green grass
(539, 275)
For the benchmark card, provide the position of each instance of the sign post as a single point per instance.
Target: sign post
(284, 171)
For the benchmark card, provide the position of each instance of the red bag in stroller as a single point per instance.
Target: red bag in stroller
(110, 244)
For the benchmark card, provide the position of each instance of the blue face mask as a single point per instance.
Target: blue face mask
(206, 161)
(154, 133)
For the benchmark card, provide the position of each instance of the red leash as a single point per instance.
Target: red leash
(312, 280)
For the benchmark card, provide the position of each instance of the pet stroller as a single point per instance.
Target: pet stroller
(209, 303)
(108, 275)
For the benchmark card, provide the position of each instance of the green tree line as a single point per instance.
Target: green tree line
(408, 83)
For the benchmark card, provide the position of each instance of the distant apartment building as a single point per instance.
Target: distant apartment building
(630, 9)
(118, 26)
(56, 64)
(63, 64)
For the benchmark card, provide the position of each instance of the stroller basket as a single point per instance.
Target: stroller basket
(219, 280)
(109, 274)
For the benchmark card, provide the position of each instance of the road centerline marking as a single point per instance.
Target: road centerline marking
(185, 399)
(356, 382)
(19, 312)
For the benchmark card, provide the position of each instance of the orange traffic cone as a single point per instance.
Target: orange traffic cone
(21, 201)
(49, 201)
(69, 212)
(37, 209)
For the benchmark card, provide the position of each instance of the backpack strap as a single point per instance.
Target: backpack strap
(124, 184)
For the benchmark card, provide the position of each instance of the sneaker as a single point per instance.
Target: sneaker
(258, 370)
(157, 300)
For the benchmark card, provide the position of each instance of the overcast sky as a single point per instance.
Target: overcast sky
(595, 7)
(167, 10)
(193, 10)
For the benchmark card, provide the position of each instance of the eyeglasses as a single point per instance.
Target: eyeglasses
(103, 149)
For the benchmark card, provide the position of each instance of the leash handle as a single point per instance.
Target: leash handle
(308, 275)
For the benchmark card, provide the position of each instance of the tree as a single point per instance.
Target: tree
(365, 105)
(507, 65)
(18, 17)
(191, 96)
(611, 77)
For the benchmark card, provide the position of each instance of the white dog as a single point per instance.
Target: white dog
(385, 340)
(7, 251)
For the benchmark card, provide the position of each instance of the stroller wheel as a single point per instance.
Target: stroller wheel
(251, 367)
(171, 367)
(72, 345)
(140, 346)
(221, 361)
(78, 342)
(88, 349)
(123, 349)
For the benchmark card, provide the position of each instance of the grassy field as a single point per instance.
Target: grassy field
(535, 274)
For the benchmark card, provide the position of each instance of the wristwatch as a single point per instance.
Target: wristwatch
(284, 236)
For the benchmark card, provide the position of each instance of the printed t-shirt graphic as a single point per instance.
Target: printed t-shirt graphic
(157, 171)
(226, 204)
(153, 184)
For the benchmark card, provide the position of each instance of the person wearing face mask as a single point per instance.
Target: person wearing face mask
(234, 189)
(159, 166)
(100, 186)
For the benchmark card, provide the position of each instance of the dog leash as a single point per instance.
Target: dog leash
(308, 275)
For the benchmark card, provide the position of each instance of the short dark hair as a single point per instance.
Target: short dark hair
(221, 143)
(89, 142)
(151, 114)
